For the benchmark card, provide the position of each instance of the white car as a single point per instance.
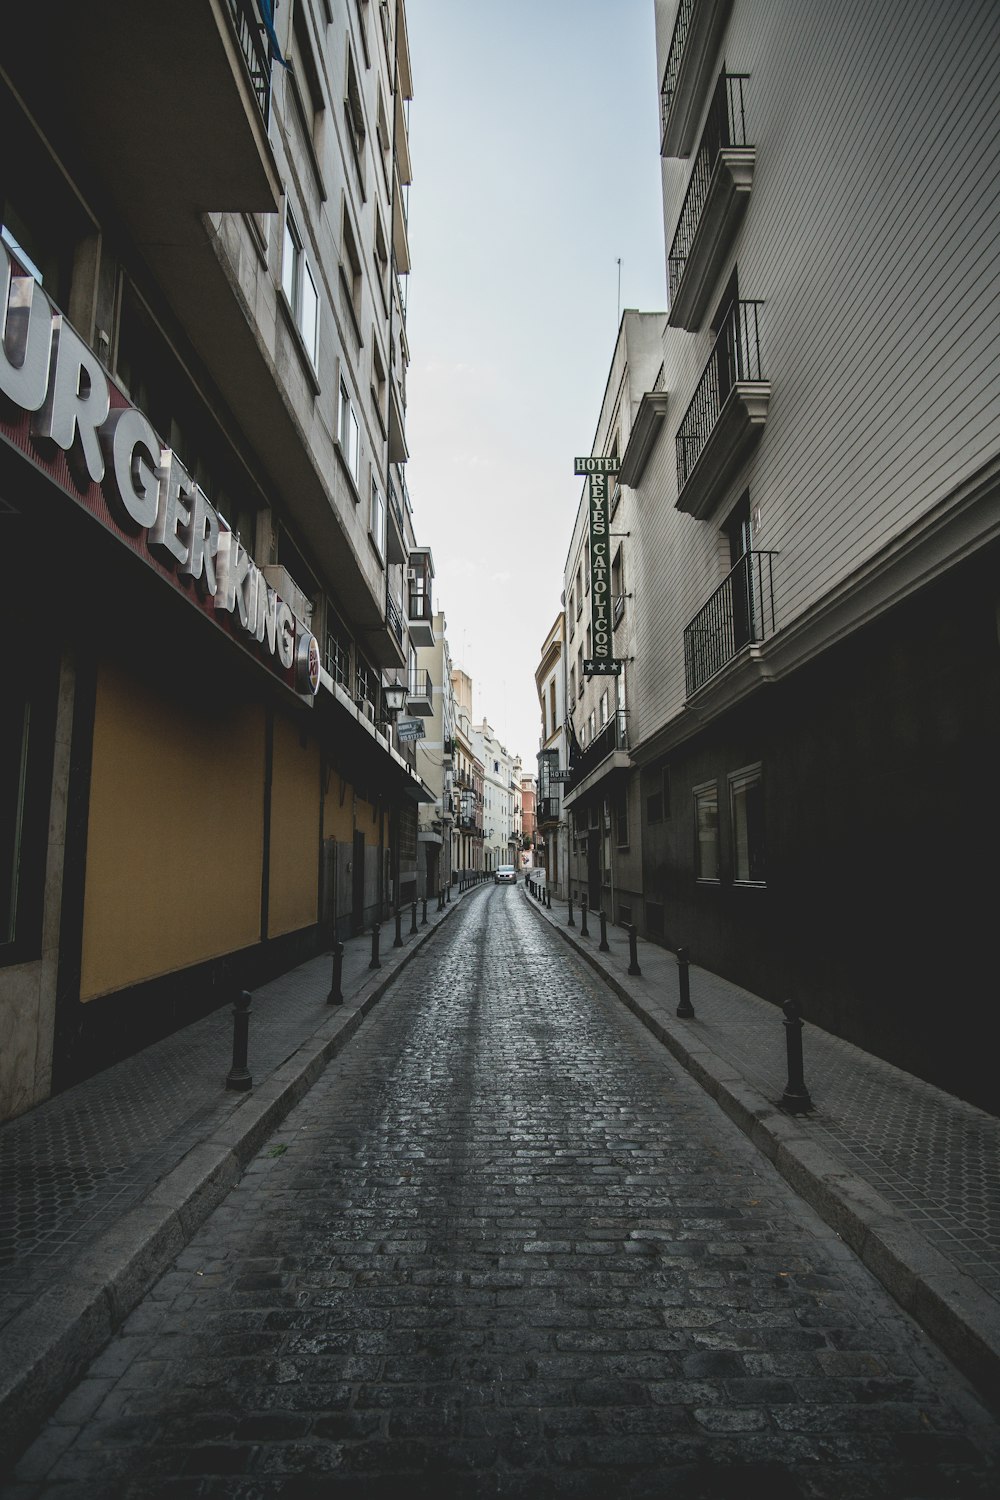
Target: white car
(505, 875)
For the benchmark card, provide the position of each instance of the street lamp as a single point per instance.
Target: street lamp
(394, 697)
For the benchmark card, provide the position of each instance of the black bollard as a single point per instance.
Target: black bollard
(604, 946)
(376, 962)
(584, 929)
(570, 922)
(336, 995)
(423, 913)
(684, 1007)
(413, 920)
(397, 941)
(548, 898)
(633, 956)
(448, 889)
(796, 1096)
(238, 1077)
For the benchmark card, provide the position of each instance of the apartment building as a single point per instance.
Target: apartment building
(468, 776)
(432, 697)
(602, 796)
(553, 756)
(814, 701)
(202, 511)
(501, 797)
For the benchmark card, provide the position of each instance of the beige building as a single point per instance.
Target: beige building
(202, 444)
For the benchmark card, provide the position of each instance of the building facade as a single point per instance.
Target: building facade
(432, 689)
(202, 442)
(553, 758)
(815, 482)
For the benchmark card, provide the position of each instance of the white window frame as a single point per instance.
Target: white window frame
(377, 518)
(705, 790)
(349, 435)
(299, 286)
(738, 781)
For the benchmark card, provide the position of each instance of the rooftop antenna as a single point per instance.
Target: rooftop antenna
(619, 317)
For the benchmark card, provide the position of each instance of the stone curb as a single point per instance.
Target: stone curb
(962, 1319)
(49, 1344)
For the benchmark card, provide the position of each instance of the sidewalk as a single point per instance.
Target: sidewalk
(103, 1185)
(906, 1174)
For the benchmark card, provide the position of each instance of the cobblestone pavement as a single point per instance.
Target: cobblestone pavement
(506, 1247)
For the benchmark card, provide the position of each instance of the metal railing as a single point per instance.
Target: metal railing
(740, 613)
(724, 126)
(677, 44)
(396, 508)
(735, 356)
(613, 736)
(393, 618)
(256, 52)
(420, 684)
(337, 660)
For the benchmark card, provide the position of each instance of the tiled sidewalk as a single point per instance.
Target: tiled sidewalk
(924, 1161)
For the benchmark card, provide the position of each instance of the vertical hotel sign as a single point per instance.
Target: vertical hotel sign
(602, 662)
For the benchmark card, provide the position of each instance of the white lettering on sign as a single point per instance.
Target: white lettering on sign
(49, 372)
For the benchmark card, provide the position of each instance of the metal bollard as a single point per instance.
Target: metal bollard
(238, 1076)
(633, 956)
(397, 941)
(423, 913)
(336, 995)
(376, 962)
(413, 920)
(548, 898)
(570, 922)
(584, 929)
(448, 889)
(796, 1096)
(684, 1007)
(604, 946)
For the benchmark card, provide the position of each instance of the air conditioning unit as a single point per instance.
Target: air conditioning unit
(411, 575)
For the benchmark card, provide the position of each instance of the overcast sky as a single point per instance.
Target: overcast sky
(534, 132)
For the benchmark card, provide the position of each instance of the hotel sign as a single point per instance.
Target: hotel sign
(64, 413)
(602, 662)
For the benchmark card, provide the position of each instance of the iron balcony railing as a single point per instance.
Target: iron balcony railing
(256, 52)
(725, 126)
(337, 660)
(735, 356)
(420, 684)
(677, 44)
(613, 736)
(396, 508)
(740, 613)
(393, 618)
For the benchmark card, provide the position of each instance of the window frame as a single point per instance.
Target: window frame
(737, 781)
(703, 791)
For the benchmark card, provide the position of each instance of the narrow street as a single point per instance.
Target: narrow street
(506, 1247)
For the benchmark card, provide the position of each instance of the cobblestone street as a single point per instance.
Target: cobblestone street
(506, 1247)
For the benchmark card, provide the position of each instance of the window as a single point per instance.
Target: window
(350, 435)
(746, 811)
(706, 817)
(617, 587)
(572, 682)
(604, 708)
(350, 272)
(299, 287)
(658, 803)
(354, 114)
(552, 705)
(579, 672)
(26, 736)
(381, 255)
(591, 726)
(376, 519)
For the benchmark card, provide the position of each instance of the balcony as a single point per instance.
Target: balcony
(642, 437)
(726, 415)
(739, 614)
(606, 753)
(687, 76)
(547, 811)
(105, 73)
(714, 205)
(385, 643)
(395, 531)
(421, 619)
(420, 694)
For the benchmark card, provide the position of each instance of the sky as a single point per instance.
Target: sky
(534, 133)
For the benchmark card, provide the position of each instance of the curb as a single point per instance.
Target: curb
(961, 1318)
(50, 1343)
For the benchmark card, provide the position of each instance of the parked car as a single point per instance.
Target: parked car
(505, 874)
